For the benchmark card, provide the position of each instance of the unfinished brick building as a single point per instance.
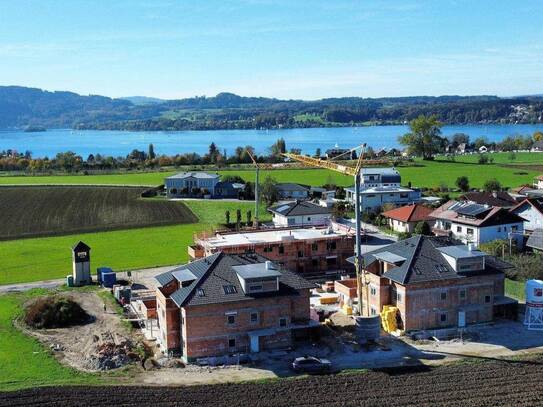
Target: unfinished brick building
(315, 253)
(435, 282)
(225, 304)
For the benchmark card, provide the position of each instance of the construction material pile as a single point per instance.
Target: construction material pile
(109, 351)
(54, 311)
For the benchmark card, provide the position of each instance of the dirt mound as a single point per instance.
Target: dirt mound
(54, 312)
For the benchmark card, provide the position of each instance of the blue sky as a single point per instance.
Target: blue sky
(287, 49)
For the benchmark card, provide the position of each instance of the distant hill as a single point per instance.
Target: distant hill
(22, 107)
(142, 100)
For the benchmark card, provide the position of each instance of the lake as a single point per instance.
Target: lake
(120, 143)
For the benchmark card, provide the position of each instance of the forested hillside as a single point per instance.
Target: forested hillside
(21, 107)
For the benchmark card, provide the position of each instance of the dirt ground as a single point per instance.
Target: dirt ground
(75, 345)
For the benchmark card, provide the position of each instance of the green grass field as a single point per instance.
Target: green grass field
(24, 361)
(424, 174)
(501, 158)
(46, 258)
(212, 212)
(515, 289)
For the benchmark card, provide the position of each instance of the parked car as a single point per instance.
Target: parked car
(310, 364)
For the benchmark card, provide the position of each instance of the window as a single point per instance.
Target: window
(268, 249)
(443, 296)
(229, 289)
(443, 317)
(231, 343)
(254, 317)
(447, 226)
(469, 231)
(315, 263)
(398, 297)
(462, 294)
(282, 322)
(200, 292)
(373, 291)
(231, 319)
(373, 311)
(459, 229)
(332, 245)
(487, 299)
(514, 228)
(315, 246)
(281, 249)
(403, 196)
(309, 219)
(300, 253)
(499, 229)
(255, 287)
(331, 261)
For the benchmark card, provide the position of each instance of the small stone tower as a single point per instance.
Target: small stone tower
(81, 264)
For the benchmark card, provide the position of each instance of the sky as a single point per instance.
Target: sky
(275, 48)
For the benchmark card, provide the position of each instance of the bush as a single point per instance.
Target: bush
(404, 235)
(526, 267)
(54, 312)
(423, 228)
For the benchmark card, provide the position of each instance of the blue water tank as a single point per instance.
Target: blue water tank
(108, 279)
(100, 271)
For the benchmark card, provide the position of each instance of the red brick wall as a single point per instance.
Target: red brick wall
(207, 331)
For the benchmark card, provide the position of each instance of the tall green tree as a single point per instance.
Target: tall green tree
(151, 152)
(492, 185)
(268, 191)
(227, 217)
(463, 183)
(424, 138)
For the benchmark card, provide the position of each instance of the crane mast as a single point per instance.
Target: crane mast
(361, 283)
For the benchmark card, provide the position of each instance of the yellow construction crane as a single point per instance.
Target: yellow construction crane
(361, 283)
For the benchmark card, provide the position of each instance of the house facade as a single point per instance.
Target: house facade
(474, 223)
(300, 213)
(435, 283)
(381, 186)
(191, 184)
(226, 304)
(538, 182)
(315, 253)
(292, 191)
(405, 218)
(531, 210)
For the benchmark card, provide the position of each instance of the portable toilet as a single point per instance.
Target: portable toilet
(109, 279)
(81, 264)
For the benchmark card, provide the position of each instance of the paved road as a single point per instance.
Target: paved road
(29, 286)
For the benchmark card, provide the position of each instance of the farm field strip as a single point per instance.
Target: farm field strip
(46, 211)
(480, 383)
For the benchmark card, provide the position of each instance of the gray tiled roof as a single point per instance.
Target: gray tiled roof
(299, 208)
(196, 174)
(291, 187)
(216, 271)
(425, 262)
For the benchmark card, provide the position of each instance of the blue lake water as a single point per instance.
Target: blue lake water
(120, 143)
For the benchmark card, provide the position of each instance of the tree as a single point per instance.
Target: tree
(463, 183)
(249, 217)
(483, 159)
(238, 218)
(481, 141)
(279, 147)
(151, 152)
(460, 138)
(213, 153)
(423, 228)
(318, 152)
(538, 136)
(492, 185)
(268, 191)
(424, 139)
(227, 217)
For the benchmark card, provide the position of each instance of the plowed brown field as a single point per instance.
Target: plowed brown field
(491, 383)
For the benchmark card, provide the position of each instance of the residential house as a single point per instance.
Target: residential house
(501, 198)
(191, 184)
(475, 223)
(531, 210)
(538, 182)
(300, 213)
(225, 304)
(535, 241)
(292, 191)
(405, 218)
(537, 146)
(316, 253)
(228, 190)
(380, 186)
(435, 283)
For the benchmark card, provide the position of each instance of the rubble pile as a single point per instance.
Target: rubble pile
(109, 352)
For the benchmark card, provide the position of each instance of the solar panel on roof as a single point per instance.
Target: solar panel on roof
(472, 210)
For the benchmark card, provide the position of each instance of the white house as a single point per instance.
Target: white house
(380, 186)
(300, 213)
(538, 182)
(292, 191)
(475, 223)
(191, 183)
(531, 210)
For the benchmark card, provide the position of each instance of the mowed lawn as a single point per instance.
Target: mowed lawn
(24, 361)
(33, 211)
(47, 258)
(213, 212)
(423, 174)
(522, 157)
